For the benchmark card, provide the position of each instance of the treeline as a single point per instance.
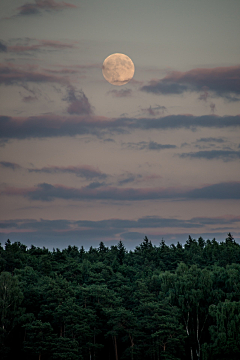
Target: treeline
(157, 302)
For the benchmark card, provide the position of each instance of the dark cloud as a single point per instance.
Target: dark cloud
(79, 103)
(227, 190)
(84, 171)
(47, 126)
(48, 192)
(41, 5)
(151, 145)
(211, 139)
(3, 47)
(120, 93)
(226, 155)
(164, 87)
(129, 179)
(185, 121)
(10, 165)
(221, 81)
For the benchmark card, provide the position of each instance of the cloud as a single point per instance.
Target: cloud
(3, 47)
(129, 178)
(227, 190)
(48, 126)
(211, 139)
(11, 74)
(29, 98)
(39, 45)
(43, 5)
(221, 81)
(151, 145)
(154, 111)
(120, 93)
(48, 192)
(212, 107)
(10, 165)
(61, 232)
(84, 171)
(79, 103)
(226, 155)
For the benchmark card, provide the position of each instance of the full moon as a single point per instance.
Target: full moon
(118, 69)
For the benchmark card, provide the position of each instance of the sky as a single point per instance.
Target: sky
(84, 161)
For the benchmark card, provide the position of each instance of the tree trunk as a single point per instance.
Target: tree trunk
(115, 345)
(132, 345)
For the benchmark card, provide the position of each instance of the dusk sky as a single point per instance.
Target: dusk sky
(84, 161)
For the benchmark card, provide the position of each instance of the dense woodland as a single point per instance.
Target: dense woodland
(156, 302)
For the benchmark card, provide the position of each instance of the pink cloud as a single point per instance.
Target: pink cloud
(223, 81)
(34, 8)
(11, 74)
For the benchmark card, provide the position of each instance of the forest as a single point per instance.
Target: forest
(171, 302)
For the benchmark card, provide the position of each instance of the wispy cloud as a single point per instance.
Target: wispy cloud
(43, 5)
(84, 171)
(225, 155)
(37, 45)
(47, 126)
(10, 165)
(151, 145)
(221, 81)
(12, 74)
(155, 110)
(120, 93)
(49, 192)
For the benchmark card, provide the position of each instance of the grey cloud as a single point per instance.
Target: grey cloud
(42, 5)
(155, 110)
(165, 88)
(211, 139)
(47, 126)
(84, 171)
(221, 81)
(151, 145)
(225, 155)
(129, 179)
(3, 47)
(11, 74)
(48, 192)
(10, 165)
(79, 103)
(63, 232)
(121, 93)
(227, 190)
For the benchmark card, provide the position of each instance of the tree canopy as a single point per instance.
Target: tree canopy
(156, 302)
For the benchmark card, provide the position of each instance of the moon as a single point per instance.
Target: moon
(118, 69)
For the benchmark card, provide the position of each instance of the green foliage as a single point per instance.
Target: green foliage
(157, 302)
